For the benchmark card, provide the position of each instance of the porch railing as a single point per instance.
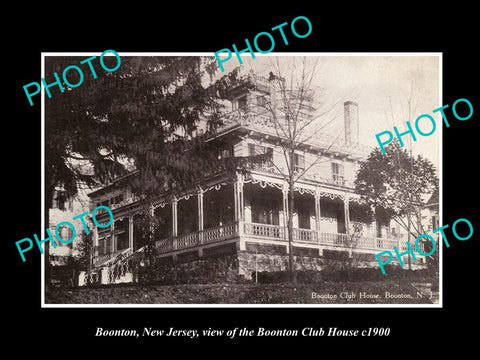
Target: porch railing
(305, 235)
(264, 230)
(186, 241)
(219, 233)
(333, 239)
(106, 259)
(381, 243)
(117, 269)
(223, 232)
(278, 233)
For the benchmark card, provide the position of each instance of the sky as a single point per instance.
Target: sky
(383, 85)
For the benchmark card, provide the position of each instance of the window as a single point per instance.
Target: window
(337, 173)
(59, 199)
(299, 163)
(103, 245)
(122, 241)
(261, 101)
(262, 150)
(109, 202)
(121, 234)
(117, 199)
(259, 150)
(103, 241)
(265, 210)
(268, 162)
(303, 212)
(103, 203)
(225, 153)
(66, 234)
(251, 149)
(242, 103)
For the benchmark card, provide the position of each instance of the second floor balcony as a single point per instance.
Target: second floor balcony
(265, 124)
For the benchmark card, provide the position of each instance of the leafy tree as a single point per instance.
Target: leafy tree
(396, 185)
(141, 117)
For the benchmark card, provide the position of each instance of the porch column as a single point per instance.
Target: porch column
(152, 225)
(200, 220)
(373, 229)
(346, 206)
(238, 198)
(347, 212)
(285, 205)
(95, 245)
(235, 200)
(112, 237)
(318, 213)
(239, 208)
(285, 190)
(174, 217)
(200, 209)
(130, 232)
(285, 211)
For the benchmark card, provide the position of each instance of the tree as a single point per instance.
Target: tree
(140, 117)
(299, 113)
(405, 102)
(396, 184)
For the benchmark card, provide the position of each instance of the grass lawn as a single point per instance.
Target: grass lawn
(380, 292)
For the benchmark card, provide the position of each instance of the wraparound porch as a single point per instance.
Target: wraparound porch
(245, 215)
(244, 232)
(243, 211)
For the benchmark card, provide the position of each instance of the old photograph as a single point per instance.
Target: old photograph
(294, 179)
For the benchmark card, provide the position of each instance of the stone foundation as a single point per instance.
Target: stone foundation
(200, 271)
(226, 263)
(249, 263)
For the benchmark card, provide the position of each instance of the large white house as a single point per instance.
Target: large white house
(243, 213)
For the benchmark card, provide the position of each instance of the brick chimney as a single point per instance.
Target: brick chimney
(351, 121)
